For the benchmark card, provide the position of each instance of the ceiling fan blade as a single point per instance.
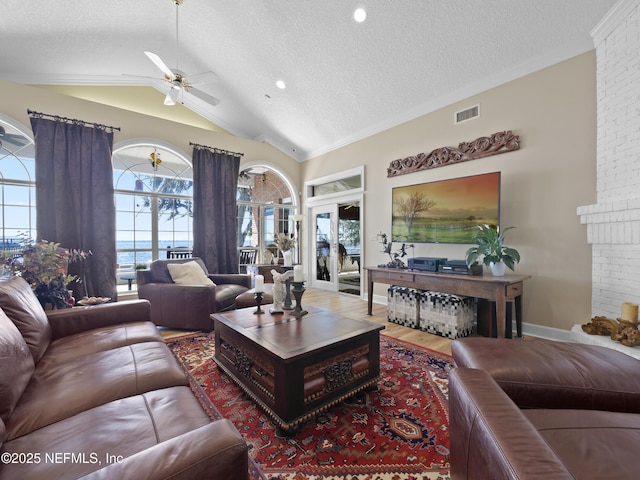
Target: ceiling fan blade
(213, 101)
(160, 64)
(203, 78)
(14, 139)
(17, 140)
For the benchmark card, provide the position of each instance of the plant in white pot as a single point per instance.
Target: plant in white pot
(492, 250)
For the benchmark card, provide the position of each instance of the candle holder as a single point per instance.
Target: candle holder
(298, 290)
(258, 296)
(287, 298)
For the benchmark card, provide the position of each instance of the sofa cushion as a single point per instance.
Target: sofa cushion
(119, 428)
(189, 273)
(546, 374)
(160, 272)
(22, 306)
(16, 366)
(593, 444)
(59, 390)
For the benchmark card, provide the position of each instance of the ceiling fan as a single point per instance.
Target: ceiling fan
(17, 140)
(177, 80)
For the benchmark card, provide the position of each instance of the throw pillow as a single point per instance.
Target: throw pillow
(189, 273)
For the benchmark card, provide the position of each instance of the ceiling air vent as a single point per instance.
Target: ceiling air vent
(467, 114)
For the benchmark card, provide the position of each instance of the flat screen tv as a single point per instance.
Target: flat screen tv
(446, 211)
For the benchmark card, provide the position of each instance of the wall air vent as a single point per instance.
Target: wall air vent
(466, 114)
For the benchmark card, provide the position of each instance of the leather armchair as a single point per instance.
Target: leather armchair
(188, 306)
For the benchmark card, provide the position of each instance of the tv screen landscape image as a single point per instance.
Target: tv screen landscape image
(445, 211)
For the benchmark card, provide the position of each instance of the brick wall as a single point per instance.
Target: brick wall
(613, 224)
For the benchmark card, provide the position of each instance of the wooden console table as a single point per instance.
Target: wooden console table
(497, 289)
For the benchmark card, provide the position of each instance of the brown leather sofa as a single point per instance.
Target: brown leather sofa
(94, 392)
(188, 306)
(538, 409)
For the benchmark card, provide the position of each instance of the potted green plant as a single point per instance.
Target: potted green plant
(44, 266)
(492, 251)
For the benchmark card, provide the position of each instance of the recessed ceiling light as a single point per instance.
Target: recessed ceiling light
(360, 15)
(281, 85)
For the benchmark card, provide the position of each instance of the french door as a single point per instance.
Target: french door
(324, 247)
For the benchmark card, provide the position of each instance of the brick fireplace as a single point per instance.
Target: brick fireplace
(613, 223)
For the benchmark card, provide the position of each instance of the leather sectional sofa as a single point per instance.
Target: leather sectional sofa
(538, 409)
(94, 392)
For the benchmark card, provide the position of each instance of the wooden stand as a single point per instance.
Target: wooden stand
(497, 289)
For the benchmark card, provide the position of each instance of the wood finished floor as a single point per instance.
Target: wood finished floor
(352, 306)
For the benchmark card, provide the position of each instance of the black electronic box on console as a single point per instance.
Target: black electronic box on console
(427, 264)
(460, 267)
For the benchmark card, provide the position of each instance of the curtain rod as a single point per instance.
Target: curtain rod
(72, 121)
(215, 150)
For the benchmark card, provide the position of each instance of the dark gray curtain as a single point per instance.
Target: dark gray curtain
(74, 197)
(215, 182)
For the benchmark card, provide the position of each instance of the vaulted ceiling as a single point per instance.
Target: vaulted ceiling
(344, 80)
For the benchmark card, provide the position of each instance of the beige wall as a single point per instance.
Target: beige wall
(16, 99)
(553, 111)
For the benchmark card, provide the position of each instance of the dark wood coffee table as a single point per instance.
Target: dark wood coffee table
(295, 368)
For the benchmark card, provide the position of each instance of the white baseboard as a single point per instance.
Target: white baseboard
(377, 299)
(548, 333)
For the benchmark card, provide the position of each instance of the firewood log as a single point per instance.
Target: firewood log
(600, 325)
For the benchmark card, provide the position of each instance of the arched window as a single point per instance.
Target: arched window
(265, 208)
(154, 204)
(17, 185)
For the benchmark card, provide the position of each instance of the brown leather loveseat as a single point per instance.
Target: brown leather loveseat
(188, 306)
(94, 392)
(538, 409)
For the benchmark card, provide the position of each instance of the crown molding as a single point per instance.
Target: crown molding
(614, 17)
(91, 80)
(200, 107)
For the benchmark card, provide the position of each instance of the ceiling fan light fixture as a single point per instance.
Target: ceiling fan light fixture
(172, 96)
(178, 83)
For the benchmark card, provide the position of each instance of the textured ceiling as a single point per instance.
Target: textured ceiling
(344, 80)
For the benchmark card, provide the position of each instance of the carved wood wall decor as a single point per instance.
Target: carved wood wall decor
(500, 142)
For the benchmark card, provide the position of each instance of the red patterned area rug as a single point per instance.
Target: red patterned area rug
(397, 432)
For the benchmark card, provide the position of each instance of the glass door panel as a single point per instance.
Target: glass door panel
(349, 247)
(325, 245)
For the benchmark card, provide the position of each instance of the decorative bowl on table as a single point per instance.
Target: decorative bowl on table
(87, 301)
